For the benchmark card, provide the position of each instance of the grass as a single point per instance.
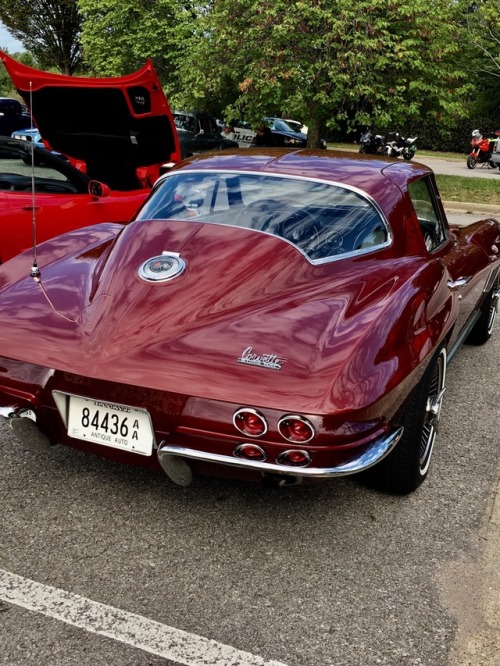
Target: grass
(453, 188)
(473, 190)
(424, 153)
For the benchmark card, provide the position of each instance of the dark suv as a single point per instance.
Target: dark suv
(13, 116)
(199, 132)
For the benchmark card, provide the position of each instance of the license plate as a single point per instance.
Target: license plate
(110, 424)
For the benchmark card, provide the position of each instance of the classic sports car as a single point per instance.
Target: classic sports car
(275, 314)
(119, 131)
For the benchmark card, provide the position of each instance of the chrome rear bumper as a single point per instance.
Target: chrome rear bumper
(371, 456)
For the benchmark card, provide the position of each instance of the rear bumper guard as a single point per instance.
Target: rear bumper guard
(375, 452)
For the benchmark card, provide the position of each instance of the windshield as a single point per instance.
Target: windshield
(277, 124)
(322, 220)
(184, 122)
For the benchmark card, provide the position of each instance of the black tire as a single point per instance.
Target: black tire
(483, 328)
(408, 156)
(407, 466)
(471, 162)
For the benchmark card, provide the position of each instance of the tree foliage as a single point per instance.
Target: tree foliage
(117, 36)
(330, 62)
(48, 29)
(482, 21)
(7, 88)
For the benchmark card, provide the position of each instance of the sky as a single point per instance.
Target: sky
(8, 42)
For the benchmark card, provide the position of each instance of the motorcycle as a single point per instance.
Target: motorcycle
(399, 146)
(482, 149)
(372, 144)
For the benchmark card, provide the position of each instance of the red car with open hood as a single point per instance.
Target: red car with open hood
(277, 315)
(119, 131)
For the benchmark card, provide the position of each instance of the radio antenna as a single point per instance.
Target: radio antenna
(35, 271)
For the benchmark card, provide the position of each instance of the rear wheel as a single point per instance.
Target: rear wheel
(406, 467)
(471, 162)
(483, 328)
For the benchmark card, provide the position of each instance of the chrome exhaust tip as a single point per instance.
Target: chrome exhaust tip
(27, 431)
(176, 468)
(281, 480)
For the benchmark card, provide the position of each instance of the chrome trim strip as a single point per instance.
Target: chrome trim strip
(250, 410)
(374, 454)
(302, 419)
(461, 282)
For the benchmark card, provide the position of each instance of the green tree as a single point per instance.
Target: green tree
(329, 62)
(482, 20)
(49, 29)
(118, 35)
(7, 88)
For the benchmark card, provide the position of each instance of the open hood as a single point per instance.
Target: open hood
(111, 124)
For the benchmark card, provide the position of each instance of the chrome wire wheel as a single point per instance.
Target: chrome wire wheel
(493, 309)
(432, 412)
(407, 465)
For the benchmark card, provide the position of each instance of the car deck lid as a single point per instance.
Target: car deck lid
(112, 124)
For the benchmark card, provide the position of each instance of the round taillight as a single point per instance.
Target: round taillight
(294, 458)
(250, 422)
(250, 452)
(296, 429)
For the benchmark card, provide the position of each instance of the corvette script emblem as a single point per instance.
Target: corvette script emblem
(271, 361)
(164, 267)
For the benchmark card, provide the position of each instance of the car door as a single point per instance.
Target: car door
(60, 201)
(208, 134)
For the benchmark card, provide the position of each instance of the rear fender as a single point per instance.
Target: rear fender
(425, 316)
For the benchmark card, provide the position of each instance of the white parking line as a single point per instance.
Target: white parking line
(129, 628)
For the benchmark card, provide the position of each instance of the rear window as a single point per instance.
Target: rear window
(323, 220)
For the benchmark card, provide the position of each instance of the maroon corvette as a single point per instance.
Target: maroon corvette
(279, 315)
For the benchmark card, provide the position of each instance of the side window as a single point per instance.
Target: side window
(16, 174)
(427, 211)
(206, 125)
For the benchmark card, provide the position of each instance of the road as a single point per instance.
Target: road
(453, 167)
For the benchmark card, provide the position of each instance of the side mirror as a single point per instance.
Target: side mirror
(98, 189)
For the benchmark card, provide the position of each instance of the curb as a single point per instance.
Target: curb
(471, 208)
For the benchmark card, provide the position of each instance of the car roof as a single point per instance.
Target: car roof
(354, 169)
(193, 114)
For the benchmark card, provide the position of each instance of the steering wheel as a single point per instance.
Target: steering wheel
(300, 228)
